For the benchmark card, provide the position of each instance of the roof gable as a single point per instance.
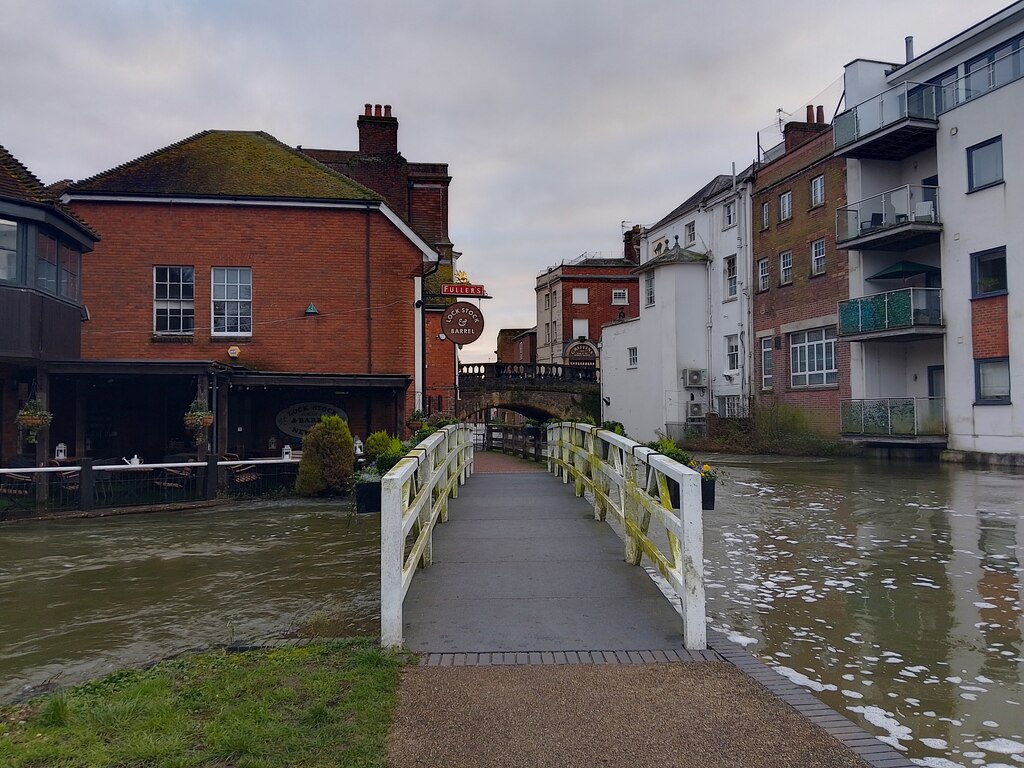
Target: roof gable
(18, 182)
(229, 164)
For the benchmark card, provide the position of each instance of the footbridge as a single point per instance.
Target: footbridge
(540, 391)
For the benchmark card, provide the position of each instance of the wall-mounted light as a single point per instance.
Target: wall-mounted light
(311, 310)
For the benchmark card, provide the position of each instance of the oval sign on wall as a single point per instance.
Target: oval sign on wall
(296, 420)
(462, 323)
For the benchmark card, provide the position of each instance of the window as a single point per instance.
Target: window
(8, 250)
(818, 257)
(232, 301)
(732, 352)
(69, 264)
(547, 301)
(690, 232)
(631, 357)
(992, 381)
(730, 406)
(579, 296)
(173, 300)
(580, 327)
(785, 268)
(785, 206)
(554, 298)
(620, 296)
(765, 214)
(767, 362)
(762, 274)
(817, 191)
(985, 164)
(649, 289)
(46, 263)
(730, 277)
(547, 333)
(988, 272)
(729, 215)
(997, 67)
(813, 357)
(554, 330)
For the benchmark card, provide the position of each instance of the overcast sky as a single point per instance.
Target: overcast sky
(558, 119)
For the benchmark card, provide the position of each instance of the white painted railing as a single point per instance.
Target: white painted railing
(414, 497)
(636, 486)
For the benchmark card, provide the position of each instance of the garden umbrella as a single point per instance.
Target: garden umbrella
(901, 270)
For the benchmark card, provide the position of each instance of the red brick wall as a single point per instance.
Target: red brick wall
(990, 327)
(440, 367)
(599, 309)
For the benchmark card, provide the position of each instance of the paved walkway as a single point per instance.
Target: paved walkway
(540, 646)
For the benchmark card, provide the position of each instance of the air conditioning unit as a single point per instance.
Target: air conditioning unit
(695, 377)
(695, 410)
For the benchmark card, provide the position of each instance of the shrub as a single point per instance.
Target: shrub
(327, 459)
(667, 447)
(378, 444)
(615, 426)
(387, 460)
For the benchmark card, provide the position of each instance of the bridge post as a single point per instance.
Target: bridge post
(392, 551)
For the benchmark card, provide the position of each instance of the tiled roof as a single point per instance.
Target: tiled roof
(709, 190)
(233, 164)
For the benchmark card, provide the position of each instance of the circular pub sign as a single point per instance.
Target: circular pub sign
(581, 353)
(296, 420)
(462, 323)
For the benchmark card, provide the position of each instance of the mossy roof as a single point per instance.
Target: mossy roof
(230, 164)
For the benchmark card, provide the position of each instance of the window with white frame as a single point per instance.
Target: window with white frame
(818, 257)
(580, 296)
(813, 357)
(547, 301)
(985, 164)
(732, 352)
(765, 214)
(729, 271)
(8, 250)
(554, 298)
(992, 381)
(785, 268)
(730, 406)
(232, 301)
(547, 333)
(174, 306)
(554, 330)
(690, 232)
(817, 191)
(631, 357)
(620, 296)
(729, 214)
(649, 289)
(580, 327)
(767, 362)
(786, 206)
(762, 274)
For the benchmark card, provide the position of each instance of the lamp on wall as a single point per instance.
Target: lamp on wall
(311, 310)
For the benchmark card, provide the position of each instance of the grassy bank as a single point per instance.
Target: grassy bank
(322, 705)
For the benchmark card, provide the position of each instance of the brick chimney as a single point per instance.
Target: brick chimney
(378, 131)
(796, 133)
(631, 244)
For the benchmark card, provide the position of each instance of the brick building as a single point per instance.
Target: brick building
(798, 276)
(517, 345)
(244, 272)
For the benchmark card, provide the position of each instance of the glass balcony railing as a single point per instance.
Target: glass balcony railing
(909, 204)
(890, 311)
(894, 416)
(906, 100)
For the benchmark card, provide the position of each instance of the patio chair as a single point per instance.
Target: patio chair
(243, 476)
(174, 482)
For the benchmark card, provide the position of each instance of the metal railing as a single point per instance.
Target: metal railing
(636, 486)
(909, 204)
(526, 373)
(892, 310)
(414, 498)
(893, 416)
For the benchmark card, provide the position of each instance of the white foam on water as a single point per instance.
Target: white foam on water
(802, 679)
(852, 694)
(935, 743)
(736, 637)
(990, 724)
(983, 604)
(968, 696)
(879, 718)
(935, 762)
(1001, 746)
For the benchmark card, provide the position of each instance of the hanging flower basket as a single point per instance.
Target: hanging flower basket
(33, 417)
(198, 418)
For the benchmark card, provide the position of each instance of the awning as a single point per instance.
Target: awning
(904, 269)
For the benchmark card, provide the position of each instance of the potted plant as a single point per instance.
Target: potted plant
(415, 420)
(33, 417)
(368, 490)
(708, 476)
(198, 418)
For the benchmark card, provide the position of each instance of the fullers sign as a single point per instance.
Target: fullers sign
(297, 419)
(462, 289)
(462, 323)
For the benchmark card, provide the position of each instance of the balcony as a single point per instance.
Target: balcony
(895, 419)
(893, 125)
(892, 315)
(897, 220)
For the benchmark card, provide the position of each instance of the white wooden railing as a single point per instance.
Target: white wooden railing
(414, 497)
(635, 486)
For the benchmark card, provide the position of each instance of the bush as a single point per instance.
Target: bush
(615, 426)
(327, 459)
(378, 444)
(667, 447)
(387, 460)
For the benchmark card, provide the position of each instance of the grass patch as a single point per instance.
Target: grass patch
(318, 706)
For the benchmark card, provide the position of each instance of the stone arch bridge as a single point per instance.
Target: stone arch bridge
(538, 391)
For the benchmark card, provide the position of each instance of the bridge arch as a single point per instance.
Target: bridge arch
(536, 390)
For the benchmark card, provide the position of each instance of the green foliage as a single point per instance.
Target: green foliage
(615, 426)
(327, 459)
(387, 460)
(668, 447)
(590, 403)
(379, 443)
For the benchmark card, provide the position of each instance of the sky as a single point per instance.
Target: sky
(559, 119)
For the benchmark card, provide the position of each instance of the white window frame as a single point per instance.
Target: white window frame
(171, 297)
(765, 215)
(786, 206)
(813, 358)
(580, 296)
(547, 333)
(620, 296)
(767, 362)
(554, 298)
(729, 214)
(547, 301)
(817, 191)
(649, 289)
(786, 268)
(731, 281)
(732, 352)
(690, 232)
(578, 324)
(631, 357)
(818, 257)
(236, 293)
(763, 275)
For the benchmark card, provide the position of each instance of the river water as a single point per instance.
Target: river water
(893, 592)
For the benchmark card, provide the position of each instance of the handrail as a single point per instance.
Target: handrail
(637, 485)
(414, 494)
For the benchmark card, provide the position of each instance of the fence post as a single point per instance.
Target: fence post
(695, 634)
(86, 483)
(211, 477)
(391, 546)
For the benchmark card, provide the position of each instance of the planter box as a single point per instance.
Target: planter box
(707, 494)
(367, 497)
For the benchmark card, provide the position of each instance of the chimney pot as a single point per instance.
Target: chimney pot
(810, 113)
(387, 110)
(820, 114)
(909, 43)
(376, 110)
(368, 110)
